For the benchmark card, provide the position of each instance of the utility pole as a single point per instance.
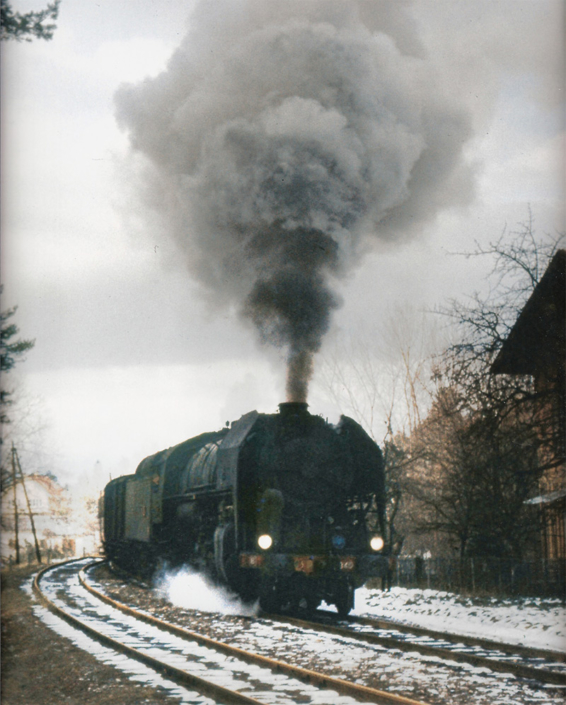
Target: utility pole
(16, 460)
(15, 507)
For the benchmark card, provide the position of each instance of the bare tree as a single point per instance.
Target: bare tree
(483, 442)
(382, 379)
(473, 476)
(520, 259)
(27, 431)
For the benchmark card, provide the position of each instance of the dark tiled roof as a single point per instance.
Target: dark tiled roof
(537, 341)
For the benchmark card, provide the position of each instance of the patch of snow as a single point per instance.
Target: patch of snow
(529, 621)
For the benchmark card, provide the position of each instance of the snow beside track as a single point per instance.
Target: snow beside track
(530, 621)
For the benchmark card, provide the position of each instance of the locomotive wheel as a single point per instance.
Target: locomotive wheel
(313, 603)
(344, 599)
(306, 604)
(225, 560)
(270, 602)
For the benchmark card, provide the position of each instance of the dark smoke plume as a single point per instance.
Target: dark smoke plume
(285, 136)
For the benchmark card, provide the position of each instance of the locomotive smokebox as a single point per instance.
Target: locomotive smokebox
(293, 408)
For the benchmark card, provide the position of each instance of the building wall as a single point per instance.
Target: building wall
(61, 532)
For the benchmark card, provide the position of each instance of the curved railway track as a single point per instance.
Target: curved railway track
(222, 672)
(542, 665)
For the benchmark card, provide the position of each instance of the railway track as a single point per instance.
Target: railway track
(219, 671)
(542, 665)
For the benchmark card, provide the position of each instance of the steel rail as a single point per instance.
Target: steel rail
(175, 674)
(364, 693)
(518, 669)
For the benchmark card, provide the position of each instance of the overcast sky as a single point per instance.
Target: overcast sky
(131, 356)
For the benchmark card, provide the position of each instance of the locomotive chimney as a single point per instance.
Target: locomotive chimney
(293, 408)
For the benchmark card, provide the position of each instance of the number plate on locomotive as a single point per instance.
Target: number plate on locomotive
(304, 564)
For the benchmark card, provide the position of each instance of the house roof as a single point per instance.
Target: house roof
(537, 341)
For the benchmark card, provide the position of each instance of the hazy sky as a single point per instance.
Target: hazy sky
(132, 354)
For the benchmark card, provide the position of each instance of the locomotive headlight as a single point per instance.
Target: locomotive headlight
(265, 541)
(376, 543)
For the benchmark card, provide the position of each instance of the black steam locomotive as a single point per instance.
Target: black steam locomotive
(282, 507)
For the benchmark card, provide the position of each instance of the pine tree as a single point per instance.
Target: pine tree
(30, 25)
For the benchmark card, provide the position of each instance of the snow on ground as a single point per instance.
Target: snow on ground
(532, 621)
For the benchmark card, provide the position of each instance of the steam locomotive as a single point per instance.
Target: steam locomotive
(282, 507)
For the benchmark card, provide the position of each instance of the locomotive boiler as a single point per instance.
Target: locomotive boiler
(282, 507)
